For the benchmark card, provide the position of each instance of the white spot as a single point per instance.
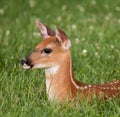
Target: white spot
(89, 85)
(85, 87)
(84, 52)
(74, 26)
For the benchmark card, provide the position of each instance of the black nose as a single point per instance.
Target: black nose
(26, 61)
(23, 61)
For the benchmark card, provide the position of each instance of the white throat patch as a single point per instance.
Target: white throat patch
(50, 91)
(52, 70)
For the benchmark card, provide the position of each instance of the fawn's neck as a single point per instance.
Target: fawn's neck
(60, 82)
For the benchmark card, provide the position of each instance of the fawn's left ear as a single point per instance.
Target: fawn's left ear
(44, 30)
(63, 39)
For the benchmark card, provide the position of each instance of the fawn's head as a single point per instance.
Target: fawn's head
(53, 48)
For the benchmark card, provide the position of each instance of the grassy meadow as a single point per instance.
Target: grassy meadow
(94, 29)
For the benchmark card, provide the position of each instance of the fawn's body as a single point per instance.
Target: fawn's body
(53, 54)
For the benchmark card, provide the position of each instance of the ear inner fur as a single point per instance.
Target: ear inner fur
(63, 39)
(44, 30)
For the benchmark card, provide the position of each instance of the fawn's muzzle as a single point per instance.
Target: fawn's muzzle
(26, 63)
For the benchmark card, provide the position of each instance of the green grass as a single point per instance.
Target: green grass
(92, 25)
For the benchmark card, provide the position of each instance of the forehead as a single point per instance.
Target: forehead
(50, 42)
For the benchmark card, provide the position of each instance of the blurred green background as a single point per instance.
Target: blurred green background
(94, 29)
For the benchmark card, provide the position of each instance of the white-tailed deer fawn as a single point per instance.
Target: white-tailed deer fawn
(53, 54)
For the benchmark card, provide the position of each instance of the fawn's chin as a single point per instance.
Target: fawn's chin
(35, 66)
(25, 66)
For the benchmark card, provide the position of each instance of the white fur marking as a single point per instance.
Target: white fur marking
(85, 87)
(89, 86)
(48, 89)
(25, 66)
(51, 91)
(52, 70)
(39, 66)
(78, 87)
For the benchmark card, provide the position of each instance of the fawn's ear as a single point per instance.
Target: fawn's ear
(63, 39)
(44, 30)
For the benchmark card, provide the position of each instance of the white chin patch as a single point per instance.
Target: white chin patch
(39, 66)
(25, 66)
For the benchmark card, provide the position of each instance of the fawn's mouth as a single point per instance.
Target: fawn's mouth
(26, 64)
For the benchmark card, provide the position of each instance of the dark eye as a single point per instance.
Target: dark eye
(47, 50)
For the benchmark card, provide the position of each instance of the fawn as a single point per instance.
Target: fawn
(53, 54)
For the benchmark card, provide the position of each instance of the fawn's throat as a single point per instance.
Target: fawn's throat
(59, 80)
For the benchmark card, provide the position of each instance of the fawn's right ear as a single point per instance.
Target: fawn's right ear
(44, 30)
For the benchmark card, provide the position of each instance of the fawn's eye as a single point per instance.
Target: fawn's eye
(47, 50)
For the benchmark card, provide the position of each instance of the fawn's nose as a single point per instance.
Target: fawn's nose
(26, 63)
(23, 61)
